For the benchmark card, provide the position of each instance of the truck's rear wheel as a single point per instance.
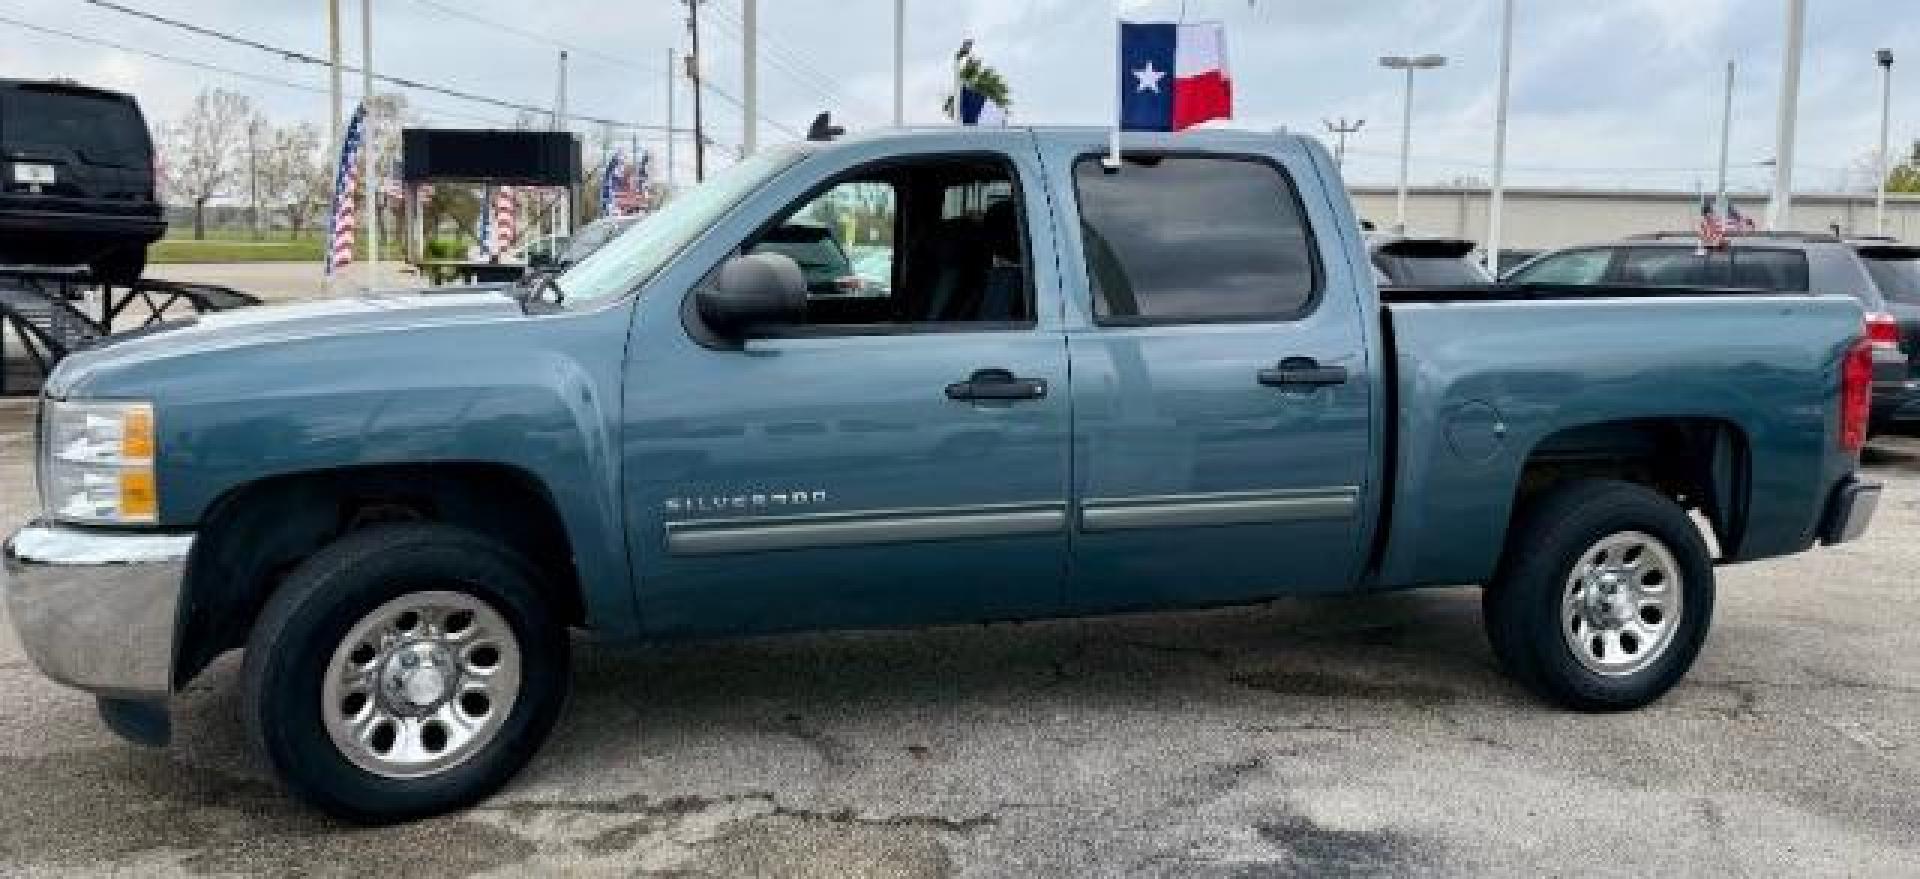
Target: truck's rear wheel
(404, 671)
(1604, 598)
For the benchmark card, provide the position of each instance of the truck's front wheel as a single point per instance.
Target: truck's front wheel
(404, 671)
(1604, 597)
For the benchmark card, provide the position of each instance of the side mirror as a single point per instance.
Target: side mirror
(754, 291)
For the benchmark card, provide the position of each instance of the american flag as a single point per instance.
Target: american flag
(505, 223)
(633, 196)
(613, 183)
(345, 219)
(1713, 233)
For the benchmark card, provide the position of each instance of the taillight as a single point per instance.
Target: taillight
(1856, 395)
(1882, 330)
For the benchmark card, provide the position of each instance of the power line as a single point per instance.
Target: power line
(402, 82)
(590, 52)
(225, 71)
(803, 72)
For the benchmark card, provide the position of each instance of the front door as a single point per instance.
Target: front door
(899, 459)
(1221, 383)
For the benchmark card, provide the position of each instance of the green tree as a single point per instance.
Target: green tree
(980, 77)
(1905, 177)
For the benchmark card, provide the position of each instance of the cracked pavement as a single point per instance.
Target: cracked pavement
(1325, 737)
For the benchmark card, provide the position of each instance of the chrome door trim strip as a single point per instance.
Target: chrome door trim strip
(705, 537)
(1222, 508)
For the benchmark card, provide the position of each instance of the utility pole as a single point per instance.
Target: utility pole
(1726, 140)
(899, 63)
(1780, 210)
(333, 70)
(750, 76)
(672, 59)
(1497, 200)
(1885, 58)
(560, 96)
(253, 175)
(1340, 130)
(693, 74)
(369, 147)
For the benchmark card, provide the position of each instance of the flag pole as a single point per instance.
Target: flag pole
(1119, 101)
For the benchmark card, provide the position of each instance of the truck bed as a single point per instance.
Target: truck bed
(1480, 378)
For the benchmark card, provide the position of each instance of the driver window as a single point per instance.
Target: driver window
(930, 245)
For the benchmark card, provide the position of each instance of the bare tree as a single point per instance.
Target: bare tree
(296, 175)
(204, 153)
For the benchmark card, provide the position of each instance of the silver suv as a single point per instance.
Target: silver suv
(1788, 262)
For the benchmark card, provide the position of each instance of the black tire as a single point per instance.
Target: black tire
(1523, 606)
(303, 623)
(121, 267)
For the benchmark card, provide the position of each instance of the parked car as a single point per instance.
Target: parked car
(1172, 384)
(1895, 268)
(76, 179)
(1788, 262)
(1408, 261)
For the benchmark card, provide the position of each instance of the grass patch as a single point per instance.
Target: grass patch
(228, 247)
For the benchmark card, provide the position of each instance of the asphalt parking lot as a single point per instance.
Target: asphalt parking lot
(1314, 738)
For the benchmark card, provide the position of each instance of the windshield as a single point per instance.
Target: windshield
(592, 237)
(631, 259)
(1898, 279)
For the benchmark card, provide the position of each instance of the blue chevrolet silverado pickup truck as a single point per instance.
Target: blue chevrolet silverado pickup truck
(1089, 387)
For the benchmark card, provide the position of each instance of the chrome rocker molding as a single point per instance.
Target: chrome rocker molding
(95, 609)
(703, 537)
(1228, 508)
(822, 530)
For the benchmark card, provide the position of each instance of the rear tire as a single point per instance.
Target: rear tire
(1604, 597)
(404, 671)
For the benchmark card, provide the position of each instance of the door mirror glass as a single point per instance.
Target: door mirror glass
(753, 292)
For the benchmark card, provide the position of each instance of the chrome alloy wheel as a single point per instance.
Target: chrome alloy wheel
(421, 684)
(1622, 604)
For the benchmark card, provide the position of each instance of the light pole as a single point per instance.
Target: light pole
(1497, 198)
(1885, 57)
(1780, 210)
(1402, 62)
(899, 63)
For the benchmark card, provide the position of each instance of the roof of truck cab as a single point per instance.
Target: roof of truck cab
(1206, 138)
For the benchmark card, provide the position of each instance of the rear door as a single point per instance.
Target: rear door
(1220, 380)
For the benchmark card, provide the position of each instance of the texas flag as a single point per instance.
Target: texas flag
(1173, 76)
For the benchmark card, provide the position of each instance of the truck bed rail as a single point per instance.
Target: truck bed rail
(1500, 292)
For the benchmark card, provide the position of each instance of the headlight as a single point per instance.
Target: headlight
(96, 462)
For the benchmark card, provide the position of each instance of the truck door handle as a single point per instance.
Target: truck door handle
(1303, 372)
(997, 384)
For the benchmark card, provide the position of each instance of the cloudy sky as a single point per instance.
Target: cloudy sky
(1606, 92)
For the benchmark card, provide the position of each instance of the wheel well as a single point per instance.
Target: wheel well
(1701, 463)
(256, 534)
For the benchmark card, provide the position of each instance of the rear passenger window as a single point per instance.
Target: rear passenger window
(1572, 267)
(1186, 238)
(1782, 270)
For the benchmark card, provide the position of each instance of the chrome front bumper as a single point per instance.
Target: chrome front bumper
(96, 610)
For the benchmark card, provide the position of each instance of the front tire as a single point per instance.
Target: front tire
(404, 671)
(1604, 597)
